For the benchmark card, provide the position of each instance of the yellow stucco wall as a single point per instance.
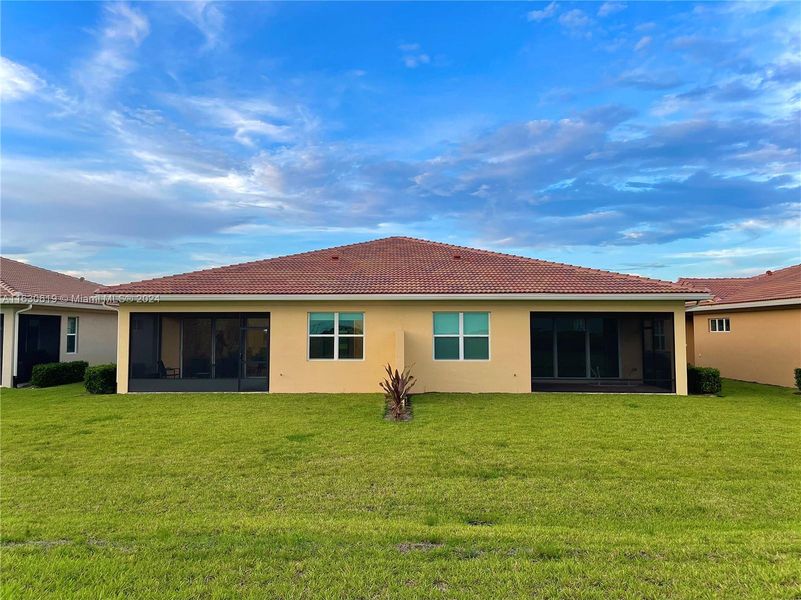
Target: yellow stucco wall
(402, 331)
(763, 345)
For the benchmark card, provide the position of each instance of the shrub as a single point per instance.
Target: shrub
(703, 380)
(396, 391)
(50, 374)
(101, 379)
(798, 379)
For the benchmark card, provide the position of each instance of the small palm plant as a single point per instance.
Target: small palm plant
(396, 391)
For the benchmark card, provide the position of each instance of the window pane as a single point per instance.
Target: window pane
(144, 346)
(542, 347)
(255, 369)
(197, 341)
(570, 347)
(727, 324)
(260, 321)
(321, 347)
(70, 343)
(321, 323)
(476, 323)
(226, 348)
(446, 348)
(446, 323)
(476, 348)
(351, 323)
(256, 344)
(713, 325)
(72, 325)
(604, 347)
(351, 347)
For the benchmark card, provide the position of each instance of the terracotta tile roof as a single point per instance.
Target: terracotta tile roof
(773, 285)
(399, 265)
(22, 280)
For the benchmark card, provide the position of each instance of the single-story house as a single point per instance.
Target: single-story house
(50, 317)
(464, 320)
(751, 327)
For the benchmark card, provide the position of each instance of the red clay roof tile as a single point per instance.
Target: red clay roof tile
(399, 265)
(783, 284)
(21, 279)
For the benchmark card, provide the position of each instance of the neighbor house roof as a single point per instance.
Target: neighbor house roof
(783, 284)
(399, 266)
(28, 284)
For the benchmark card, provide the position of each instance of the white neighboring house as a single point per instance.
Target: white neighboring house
(47, 317)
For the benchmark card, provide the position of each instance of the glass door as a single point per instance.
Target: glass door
(255, 363)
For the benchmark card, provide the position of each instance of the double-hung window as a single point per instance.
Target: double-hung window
(336, 336)
(719, 325)
(72, 335)
(461, 336)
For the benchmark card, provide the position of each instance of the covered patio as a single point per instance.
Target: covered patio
(602, 352)
(199, 352)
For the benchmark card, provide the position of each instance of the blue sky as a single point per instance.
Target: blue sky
(650, 138)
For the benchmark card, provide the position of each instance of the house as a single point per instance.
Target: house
(465, 320)
(750, 329)
(50, 317)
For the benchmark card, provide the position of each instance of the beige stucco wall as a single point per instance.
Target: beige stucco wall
(396, 329)
(97, 335)
(763, 345)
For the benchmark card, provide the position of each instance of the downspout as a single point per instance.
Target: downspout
(15, 350)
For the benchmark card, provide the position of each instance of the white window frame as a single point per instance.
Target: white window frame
(75, 335)
(722, 325)
(462, 335)
(336, 335)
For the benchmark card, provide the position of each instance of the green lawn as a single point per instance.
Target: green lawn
(496, 496)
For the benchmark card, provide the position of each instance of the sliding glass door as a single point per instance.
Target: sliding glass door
(574, 347)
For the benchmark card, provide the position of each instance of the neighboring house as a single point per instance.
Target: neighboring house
(750, 329)
(464, 320)
(50, 317)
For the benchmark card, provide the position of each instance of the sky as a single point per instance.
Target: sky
(660, 139)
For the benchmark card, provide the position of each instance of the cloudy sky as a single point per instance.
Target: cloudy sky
(144, 139)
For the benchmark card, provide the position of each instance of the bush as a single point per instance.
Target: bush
(101, 379)
(50, 374)
(703, 380)
(798, 379)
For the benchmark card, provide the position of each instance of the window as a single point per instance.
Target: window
(719, 325)
(461, 336)
(72, 335)
(660, 340)
(336, 336)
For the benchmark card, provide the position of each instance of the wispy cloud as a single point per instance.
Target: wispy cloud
(413, 56)
(208, 17)
(545, 13)
(643, 43)
(17, 81)
(609, 8)
(123, 30)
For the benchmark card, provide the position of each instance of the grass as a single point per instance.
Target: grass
(496, 496)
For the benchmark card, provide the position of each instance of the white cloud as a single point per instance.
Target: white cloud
(610, 8)
(644, 42)
(412, 56)
(545, 13)
(574, 19)
(17, 81)
(207, 17)
(123, 31)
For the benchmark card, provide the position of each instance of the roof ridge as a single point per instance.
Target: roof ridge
(30, 266)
